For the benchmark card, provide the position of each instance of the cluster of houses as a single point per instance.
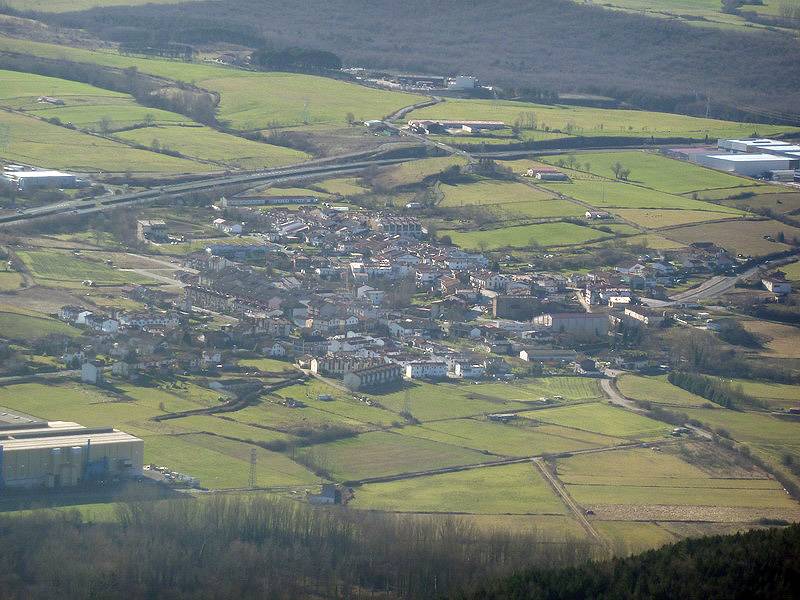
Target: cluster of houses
(368, 299)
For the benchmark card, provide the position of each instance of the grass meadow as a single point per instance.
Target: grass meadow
(579, 120)
(524, 236)
(512, 489)
(206, 144)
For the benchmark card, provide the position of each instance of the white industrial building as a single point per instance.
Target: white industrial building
(749, 165)
(39, 454)
(31, 180)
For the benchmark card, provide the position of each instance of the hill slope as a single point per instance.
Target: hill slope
(553, 44)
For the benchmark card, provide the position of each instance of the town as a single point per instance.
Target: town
(394, 325)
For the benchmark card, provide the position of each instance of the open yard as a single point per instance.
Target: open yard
(516, 489)
(524, 236)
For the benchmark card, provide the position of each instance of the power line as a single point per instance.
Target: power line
(253, 461)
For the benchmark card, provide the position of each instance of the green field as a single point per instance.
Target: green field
(642, 477)
(602, 419)
(776, 395)
(491, 192)
(206, 144)
(248, 100)
(657, 390)
(658, 172)
(221, 463)
(29, 326)
(739, 237)
(414, 172)
(515, 489)
(698, 13)
(36, 142)
(792, 271)
(58, 269)
(178, 444)
(342, 186)
(381, 453)
(656, 219)
(523, 236)
(579, 120)
(513, 439)
(607, 194)
(570, 388)
(9, 281)
(511, 199)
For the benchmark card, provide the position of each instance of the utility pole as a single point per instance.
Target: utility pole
(253, 460)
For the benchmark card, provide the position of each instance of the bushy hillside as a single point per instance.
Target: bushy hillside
(550, 44)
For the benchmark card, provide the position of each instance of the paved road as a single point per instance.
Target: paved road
(616, 397)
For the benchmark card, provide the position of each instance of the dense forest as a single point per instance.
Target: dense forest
(518, 44)
(229, 547)
(758, 564)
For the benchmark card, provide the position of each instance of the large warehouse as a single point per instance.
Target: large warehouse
(750, 165)
(31, 180)
(39, 454)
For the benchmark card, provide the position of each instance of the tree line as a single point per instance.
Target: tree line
(258, 547)
(748, 566)
(717, 391)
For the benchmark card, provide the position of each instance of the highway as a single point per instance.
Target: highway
(109, 201)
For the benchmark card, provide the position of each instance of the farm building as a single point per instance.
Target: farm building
(38, 454)
(33, 180)
(546, 174)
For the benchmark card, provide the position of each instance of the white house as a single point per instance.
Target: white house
(470, 370)
(426, 369)
(91, 373)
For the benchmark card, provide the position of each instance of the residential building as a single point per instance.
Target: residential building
(426, 369)
(577, 324)
(373, 376)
